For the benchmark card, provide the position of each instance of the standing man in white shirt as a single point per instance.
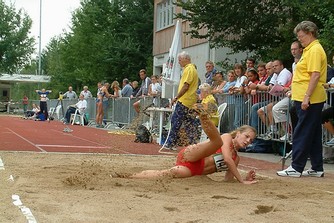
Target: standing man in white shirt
(86, 93)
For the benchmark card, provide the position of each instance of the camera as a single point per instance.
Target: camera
(61, 95)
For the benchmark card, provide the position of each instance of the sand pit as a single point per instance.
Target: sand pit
(83, 188)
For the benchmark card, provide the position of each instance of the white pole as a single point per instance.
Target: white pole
(40, 39)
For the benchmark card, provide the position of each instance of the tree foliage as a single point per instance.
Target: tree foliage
(109, 40)
(16, 46)
(262, 27)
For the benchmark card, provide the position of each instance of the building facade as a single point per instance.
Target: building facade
(199, 49)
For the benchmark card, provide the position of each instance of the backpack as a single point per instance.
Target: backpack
(85, 119)
(40, 116)
(260, 146)
(143, 135)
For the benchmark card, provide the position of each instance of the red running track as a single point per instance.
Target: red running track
(17, 134)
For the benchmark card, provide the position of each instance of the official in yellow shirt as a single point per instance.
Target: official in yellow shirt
(309, 96)
(185, 99)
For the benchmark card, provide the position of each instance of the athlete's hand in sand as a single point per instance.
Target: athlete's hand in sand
(250, 175)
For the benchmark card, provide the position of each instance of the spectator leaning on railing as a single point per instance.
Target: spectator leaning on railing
(281, 77)
(218, 83)
(210, 72)
(86, 93)
(239, 105)
(265, 72)
(143, 91)
(127, 90)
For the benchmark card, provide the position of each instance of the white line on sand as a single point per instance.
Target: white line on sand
(252, 167)
(326, 191)
(26, 211)
(2, 167)
(31, 143)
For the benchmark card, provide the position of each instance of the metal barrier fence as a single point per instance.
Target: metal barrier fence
(276, 123)
(118, 111)
(256, 111)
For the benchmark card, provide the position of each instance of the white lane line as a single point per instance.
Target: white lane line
(25, 211)
(326, 191)
(96, 143)
(95, 154)
(31, 143)
(252, 167)
(2, 167)
(69, 146)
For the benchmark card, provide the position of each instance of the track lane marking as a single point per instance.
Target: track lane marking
(77, 137)
(28, 141)
(67, 146)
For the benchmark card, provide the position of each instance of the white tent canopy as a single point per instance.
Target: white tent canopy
(25, 78)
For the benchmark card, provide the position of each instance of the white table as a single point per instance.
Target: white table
(161, 112)
(9, 103)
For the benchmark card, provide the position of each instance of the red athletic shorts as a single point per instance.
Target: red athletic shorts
(196, 168)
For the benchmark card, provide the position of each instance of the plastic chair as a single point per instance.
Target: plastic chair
(79, 116)
(51, 110)
(221, 109)
(57, 111)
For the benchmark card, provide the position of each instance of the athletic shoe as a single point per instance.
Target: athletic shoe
(330, 142)
(285, 137)
(67, 129)
(268, 135)
(328, 160)
(167, 150)
(289, 172)
(313, 173)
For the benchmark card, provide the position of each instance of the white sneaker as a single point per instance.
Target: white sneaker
(167, 150)
(268, 135)
(313, 173)
(330, 142)
(286, 137)
(289, 172)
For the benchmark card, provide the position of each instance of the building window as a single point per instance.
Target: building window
(165, 14)
(184, 12)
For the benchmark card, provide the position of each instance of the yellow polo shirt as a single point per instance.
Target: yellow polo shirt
(313, 60)
(189, 76)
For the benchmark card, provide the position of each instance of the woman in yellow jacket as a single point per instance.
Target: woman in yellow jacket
(207, 98)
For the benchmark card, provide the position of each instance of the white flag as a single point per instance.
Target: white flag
(172, 72)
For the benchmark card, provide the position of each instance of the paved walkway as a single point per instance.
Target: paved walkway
(274, 158)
